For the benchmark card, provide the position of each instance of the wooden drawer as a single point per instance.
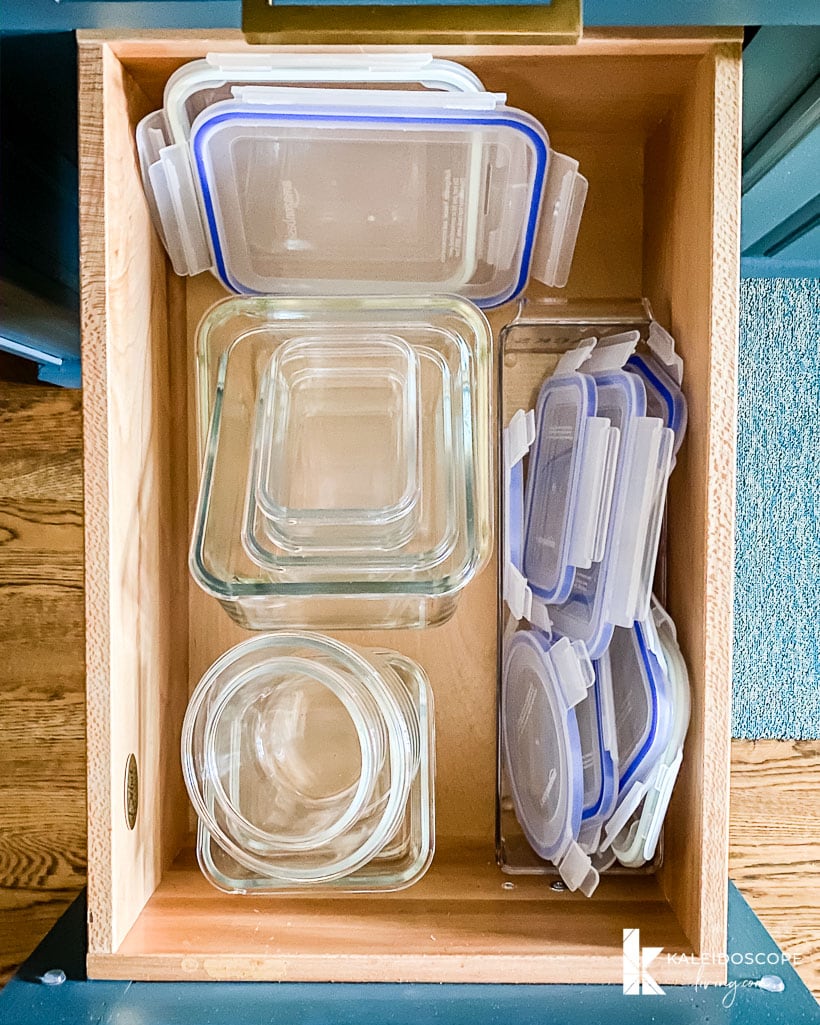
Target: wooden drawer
(655, 122)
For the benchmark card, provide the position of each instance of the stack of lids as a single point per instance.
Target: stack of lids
(595, 698)
(392, 174)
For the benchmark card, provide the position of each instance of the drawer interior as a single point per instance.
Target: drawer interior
(655, 125)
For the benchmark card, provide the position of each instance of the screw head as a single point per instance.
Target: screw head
(558, 885)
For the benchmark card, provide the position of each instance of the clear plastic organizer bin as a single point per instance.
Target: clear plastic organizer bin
(282, 533)
(588, 750)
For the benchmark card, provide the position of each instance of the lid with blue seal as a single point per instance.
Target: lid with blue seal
(282, 190)
(616, 590)
(542, 683)
(634, 836)
(558, 520)
(643, 700)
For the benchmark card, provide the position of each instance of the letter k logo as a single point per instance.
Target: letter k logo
(637, 978)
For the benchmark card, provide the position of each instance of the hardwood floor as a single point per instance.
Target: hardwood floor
(42, 695)
(775, 811)
(774, 852)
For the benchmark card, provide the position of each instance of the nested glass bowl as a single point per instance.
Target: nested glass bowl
(337, 444)
(310, 765)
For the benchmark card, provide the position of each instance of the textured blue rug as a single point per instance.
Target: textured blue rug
(777, 600)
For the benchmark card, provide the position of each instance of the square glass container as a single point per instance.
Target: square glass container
(233, 553)
(337, 441)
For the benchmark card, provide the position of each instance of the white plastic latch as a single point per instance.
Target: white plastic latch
(662, 344)
(177, 205)
(612, 352)
(348, 67)
(627, 805)
(518, 439)
(577, 870)
(562, 203)
(573, 359)
(658, 803)
(573, 669)
(259, 95)
(595, 489)
(152, 135)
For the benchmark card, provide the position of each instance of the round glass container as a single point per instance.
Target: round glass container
(304, 759)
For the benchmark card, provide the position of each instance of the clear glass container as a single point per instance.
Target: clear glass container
(337, 441)
(310, 765)
(237, 557)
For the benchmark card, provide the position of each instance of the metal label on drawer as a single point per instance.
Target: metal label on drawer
(132, 791)
(426, 23)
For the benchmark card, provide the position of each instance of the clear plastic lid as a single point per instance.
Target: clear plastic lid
(289, 190)
(569, 481)
(661, 370)
(541, 686)
(199, 84)
(636, 842)
(643, 699)
(338, 438)
(616, 590)
(278, 221)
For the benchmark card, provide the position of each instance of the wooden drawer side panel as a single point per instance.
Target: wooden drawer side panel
(136, 604)
(691, 275)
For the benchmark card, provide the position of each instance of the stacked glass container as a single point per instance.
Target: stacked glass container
(346, 459)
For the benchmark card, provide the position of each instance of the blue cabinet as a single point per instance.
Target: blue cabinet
(780, 227)
(38, 314)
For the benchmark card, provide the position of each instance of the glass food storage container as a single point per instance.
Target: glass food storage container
(310, 765)
(410, 435)
(316, 486)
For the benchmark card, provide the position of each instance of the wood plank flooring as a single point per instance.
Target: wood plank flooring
(775, 811)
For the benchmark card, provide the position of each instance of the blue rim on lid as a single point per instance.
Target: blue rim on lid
(600, 760)
(640, 685)
(664, 397)
(564, 404)
(210, 120)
